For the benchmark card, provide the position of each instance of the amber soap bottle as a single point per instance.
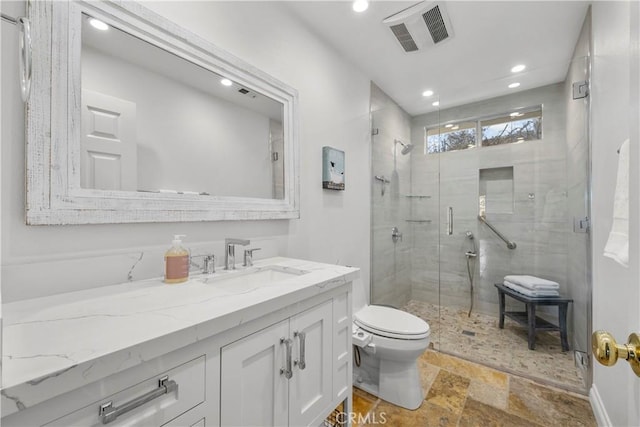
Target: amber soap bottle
(176, 262)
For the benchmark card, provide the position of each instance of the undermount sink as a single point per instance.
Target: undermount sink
(240, 281)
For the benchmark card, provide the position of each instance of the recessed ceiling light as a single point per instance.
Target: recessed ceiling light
(360, 5)
(98, 25)
(226, 82)
(427, 93)
(435, 104)
(514, 85)
(518, 68)
(448, 126)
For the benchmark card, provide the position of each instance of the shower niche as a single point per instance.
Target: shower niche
(495, 192)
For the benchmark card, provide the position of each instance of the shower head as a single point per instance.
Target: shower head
(406, 148)
(470, 235)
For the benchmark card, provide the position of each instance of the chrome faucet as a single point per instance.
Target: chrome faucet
(248, 257)
(208, 263)
(230, 252)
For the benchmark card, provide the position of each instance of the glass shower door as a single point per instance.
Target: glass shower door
(513, 200)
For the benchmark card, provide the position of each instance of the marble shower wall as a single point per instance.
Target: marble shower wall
(390, 262)
(539, 223)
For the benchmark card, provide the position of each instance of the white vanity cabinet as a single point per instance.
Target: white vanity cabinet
(280, 355)
(280, 375)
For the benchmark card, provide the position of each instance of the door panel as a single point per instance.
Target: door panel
(311, 387)
(109, 149)
(253, 392)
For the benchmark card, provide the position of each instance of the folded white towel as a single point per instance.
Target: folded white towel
(617, 246)
(531, 292)
(532, 282)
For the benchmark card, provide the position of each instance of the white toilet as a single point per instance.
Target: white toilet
(389, 342)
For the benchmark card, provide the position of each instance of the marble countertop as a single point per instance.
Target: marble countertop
(70, 340)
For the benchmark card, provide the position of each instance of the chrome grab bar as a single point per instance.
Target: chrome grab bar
(510, 244)
(109, 413)
(287, 371)
(301, 336)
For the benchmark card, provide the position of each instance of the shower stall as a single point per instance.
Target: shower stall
(464, 196)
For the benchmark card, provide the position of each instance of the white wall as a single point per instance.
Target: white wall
(334, 226)
(614, 118)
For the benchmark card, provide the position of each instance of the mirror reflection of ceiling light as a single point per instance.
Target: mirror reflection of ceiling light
(518, 68)
(427, 93)
(98, 25)
(514, 85)
(360, 5)
(435, 104)
(226, 82)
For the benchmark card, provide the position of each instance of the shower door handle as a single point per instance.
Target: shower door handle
(450, 221)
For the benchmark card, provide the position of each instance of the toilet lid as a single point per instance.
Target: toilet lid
(390, 322)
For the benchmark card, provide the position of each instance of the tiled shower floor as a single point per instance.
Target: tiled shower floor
(478, 338)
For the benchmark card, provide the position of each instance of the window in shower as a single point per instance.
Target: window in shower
(524, 124)
(517, 126)
(452, 137)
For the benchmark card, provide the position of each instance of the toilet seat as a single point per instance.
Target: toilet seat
(391, 323)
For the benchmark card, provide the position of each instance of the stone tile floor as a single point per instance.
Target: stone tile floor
(463, 393)
(505, 349)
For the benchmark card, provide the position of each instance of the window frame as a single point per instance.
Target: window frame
(478, 128)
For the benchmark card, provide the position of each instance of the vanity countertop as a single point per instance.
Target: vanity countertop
(70, 340)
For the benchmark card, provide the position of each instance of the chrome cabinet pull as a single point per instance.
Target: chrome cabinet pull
(288, 370)
(109, 413)
(301, 336)
(450, 222)
(25, 57)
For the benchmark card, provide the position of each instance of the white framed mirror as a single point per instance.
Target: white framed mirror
(132, 118)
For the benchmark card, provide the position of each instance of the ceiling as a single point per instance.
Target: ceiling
(489, 38)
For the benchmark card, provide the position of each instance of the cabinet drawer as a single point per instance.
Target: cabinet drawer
(161, 408)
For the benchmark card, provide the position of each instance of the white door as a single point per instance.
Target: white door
(109, 150)
(252, 389)
(310, 388)
(615, 108)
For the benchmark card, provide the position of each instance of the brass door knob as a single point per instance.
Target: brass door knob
(607, 351)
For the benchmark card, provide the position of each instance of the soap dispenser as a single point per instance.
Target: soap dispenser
(176, 262)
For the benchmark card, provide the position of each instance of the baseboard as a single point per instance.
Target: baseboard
(599, 411)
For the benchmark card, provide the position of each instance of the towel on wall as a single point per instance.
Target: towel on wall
(617, 246)
(532, 282)
(531, 292)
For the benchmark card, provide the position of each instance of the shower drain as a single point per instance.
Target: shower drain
(469, 333)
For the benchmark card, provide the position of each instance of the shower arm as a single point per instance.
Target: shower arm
(510, 244)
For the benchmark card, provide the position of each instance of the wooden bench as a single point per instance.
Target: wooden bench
(528, 318)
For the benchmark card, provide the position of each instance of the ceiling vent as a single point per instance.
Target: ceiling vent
(420, 26)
